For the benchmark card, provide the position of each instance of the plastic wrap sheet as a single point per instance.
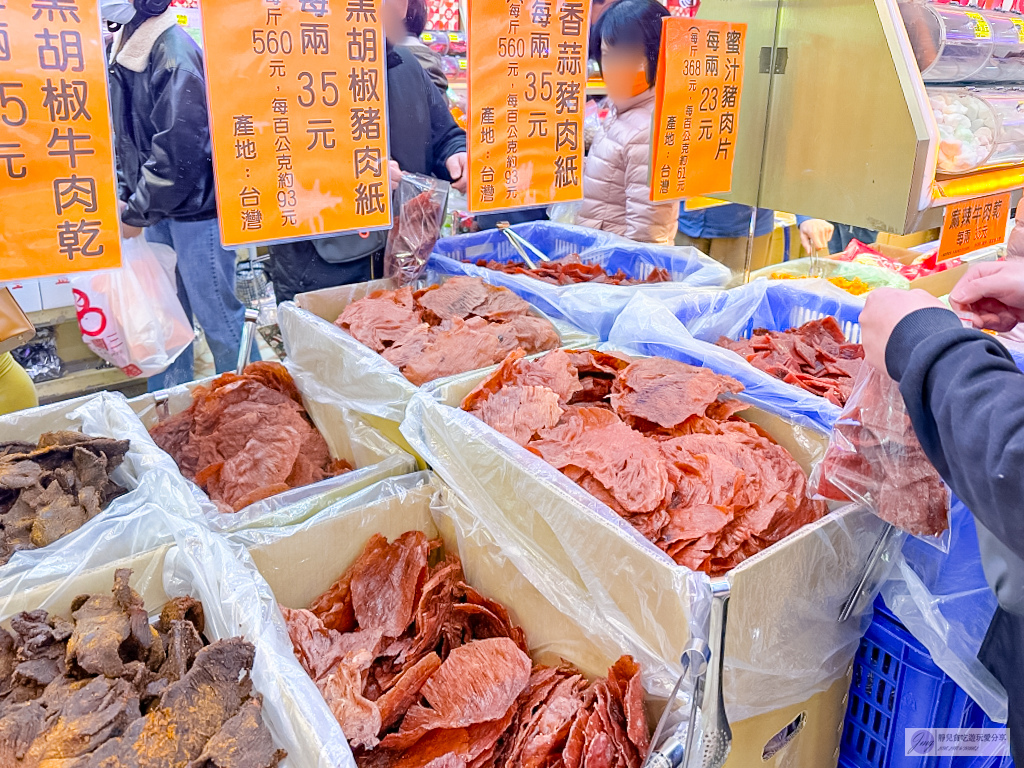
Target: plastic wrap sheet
(363, 379)
(173, 557)
(686, 327)
(876, 277)
(302, 561)
(945, 602)
(149, 474)
(784, 642)
(590, 306)
(348, 436)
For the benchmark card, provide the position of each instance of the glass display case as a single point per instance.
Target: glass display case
(978, 128)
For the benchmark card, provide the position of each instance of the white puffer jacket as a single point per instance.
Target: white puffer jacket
(616, 177)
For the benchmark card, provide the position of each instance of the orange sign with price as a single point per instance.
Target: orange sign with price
(697, 107)
(527, 92)
(974, 224)
(299, 117)
(58, 210)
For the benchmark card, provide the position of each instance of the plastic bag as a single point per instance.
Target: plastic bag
(591, 307)
(875, 458)
(784, 643)
(421, 210)
(564, 213)
(131, 317)
(835, 272)
(372, 456)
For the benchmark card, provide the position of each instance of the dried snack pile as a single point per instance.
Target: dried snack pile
(572, 269)
(421, 670)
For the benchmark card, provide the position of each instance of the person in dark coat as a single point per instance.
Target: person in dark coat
(165, 170)
(424, 139)
(965, 398)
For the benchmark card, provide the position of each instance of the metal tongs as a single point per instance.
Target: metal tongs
(876, 568)
(707, 724)
(248, 336)
(521, 244)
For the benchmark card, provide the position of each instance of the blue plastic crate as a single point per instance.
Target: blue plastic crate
(895, 686)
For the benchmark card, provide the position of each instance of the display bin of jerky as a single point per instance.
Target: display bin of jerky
(361, 377)
(787, 658)
(69, 466)
(228, 684)
(349, 438)
(301, 562)
(593, 305)
(687, 327)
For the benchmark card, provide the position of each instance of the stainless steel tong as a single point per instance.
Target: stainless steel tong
(248, 336)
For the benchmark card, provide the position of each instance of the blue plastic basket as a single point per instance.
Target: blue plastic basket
(895, 686)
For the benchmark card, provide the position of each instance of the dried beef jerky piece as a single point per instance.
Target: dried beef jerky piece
(58, 516)
(19, 727)
(8, 661)
(457, 297)
(666, 392)
(334, 607)
(14, 447)
(320, 649)
(38, 636)
(242, 742)
(520, 412)
(385, 582)
(182, 609)
(15, 475)
(102, 624)
(624, 678)
(181, 646)
(191, 711)
(359, 718)
(451, 351)
(477, 683)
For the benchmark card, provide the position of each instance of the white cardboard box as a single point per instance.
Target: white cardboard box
(26, 293)
(56, 292)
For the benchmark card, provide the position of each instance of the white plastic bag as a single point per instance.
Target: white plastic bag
(131, 317)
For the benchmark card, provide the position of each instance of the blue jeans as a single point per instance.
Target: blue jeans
(206, 289)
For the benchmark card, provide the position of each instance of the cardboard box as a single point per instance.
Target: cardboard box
(785, 650)
(300, 566)
(908, 241)
(366, 381)
(56, 292)
(26, 293)
(349, 437)
(938, 284)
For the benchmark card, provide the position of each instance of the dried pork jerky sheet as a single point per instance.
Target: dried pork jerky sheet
(107, 688)
(875, 458)
(248, 437)
(592, 306)
(687, 327)
(460, 325)
(55, 486)
(421, 669)
(814, 357)
(656, 441)
(570, 270)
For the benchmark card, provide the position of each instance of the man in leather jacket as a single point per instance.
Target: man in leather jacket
(424, 139)
(165, 170)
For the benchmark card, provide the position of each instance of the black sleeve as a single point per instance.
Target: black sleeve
(965, 397)
(447, 137)
(180, 152)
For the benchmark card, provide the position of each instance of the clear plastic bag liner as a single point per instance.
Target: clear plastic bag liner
(649, 327)
(174, 557)
(364, 380)
(875, 459)
(149, 474)
(302, 561)
(348, 436)
(876, 277)
(784, 642)
(943, 599)
(592, 307)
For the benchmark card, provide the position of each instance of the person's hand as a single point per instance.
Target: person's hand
(458, 167)
(815, 234)
(394, 173)
(991, 295)
(128, 231)
(883, 310)
(1015, 243)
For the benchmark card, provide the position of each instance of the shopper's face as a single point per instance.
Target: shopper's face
(624, 68)
(394, 20)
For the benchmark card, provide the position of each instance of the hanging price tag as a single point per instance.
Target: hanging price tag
(974, 224)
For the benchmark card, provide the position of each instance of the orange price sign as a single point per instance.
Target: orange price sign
(527, 91)
(697, 107)
(58, 211)
(299, 117)
(973, 224)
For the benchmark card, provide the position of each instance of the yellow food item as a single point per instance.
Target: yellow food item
(855, 285)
